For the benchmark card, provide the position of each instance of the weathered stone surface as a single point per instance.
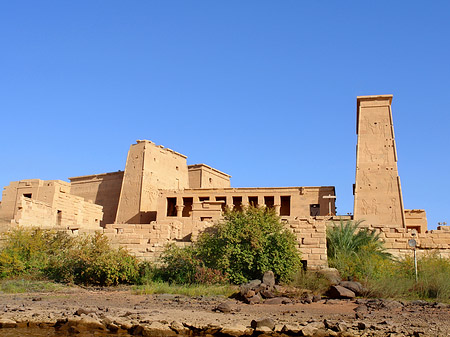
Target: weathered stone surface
(254, 300)
(269, 278)
(340, 292)
(263, 322)
(278, 300)
(235, 330)
(157, 329)
(246, 287)
(291, 328)
(179, 328)
(7, 323)
(224, 307)
(267, 293)
(356, 287)
(312, 329)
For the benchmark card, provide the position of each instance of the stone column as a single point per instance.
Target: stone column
(244, 201)
(179, 210)
(277, 204)
(230, 202)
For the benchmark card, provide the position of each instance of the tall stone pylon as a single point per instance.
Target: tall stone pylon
(377, 190)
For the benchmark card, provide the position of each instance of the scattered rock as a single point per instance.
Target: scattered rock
(316, 298)
(356, 287)
(267, 293)
(278, 300)
(361, 325)
(263, 322)
(224, 307)
(82, 311)
(269, 278)
(254, 300)
(246, 287)
(340, 292)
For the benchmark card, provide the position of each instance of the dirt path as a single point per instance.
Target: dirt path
(81, 310)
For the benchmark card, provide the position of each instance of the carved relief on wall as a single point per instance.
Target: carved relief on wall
(393, 210)
(368, 154)
(374, 206)
(369, 208)
(364, 207)
(365, 181)
(391, 182)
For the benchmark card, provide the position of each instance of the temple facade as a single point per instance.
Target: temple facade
(159, 199)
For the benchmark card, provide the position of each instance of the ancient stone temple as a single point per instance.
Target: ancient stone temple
(160, 199)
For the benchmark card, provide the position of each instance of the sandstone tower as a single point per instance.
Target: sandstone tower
(377, 190)
(148, 169)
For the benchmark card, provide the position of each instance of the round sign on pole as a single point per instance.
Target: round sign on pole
(412, 243)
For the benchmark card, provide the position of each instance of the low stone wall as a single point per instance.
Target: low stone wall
(147, 241)
(396, 241)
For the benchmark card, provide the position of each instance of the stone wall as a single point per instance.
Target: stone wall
(147, 241)
(68, 211)
(101, 189)
(396, 241)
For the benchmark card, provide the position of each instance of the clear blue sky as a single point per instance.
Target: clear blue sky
(262, 90)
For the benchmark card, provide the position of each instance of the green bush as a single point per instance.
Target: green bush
(358, 253)
(183, 266)
(91, 260)
(60, 257)
(246, 244)
(26, 252)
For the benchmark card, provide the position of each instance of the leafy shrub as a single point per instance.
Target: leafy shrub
(58, 256)
(91, 260)
(26, 252)
(356, 252)
(183, 266)
(246, 244)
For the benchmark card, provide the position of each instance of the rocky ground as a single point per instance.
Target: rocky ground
(108, 312)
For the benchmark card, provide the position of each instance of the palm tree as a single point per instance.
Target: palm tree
(348, 239)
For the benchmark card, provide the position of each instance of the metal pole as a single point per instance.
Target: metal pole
(415, 264)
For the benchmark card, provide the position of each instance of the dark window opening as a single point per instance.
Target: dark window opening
(203, 199)
(206, 218)
(27, 195)
(237, 203)
(253, 201)
(171, 207)
(269, 202)
(59, 217)
(187, 209)
(314, 209)
(285, 206)
(304, 264)
(224, 204)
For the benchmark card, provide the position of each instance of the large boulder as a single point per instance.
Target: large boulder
(247, 287)
(340, 292)
(263, 322)
(268, 278)
(356, 287)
